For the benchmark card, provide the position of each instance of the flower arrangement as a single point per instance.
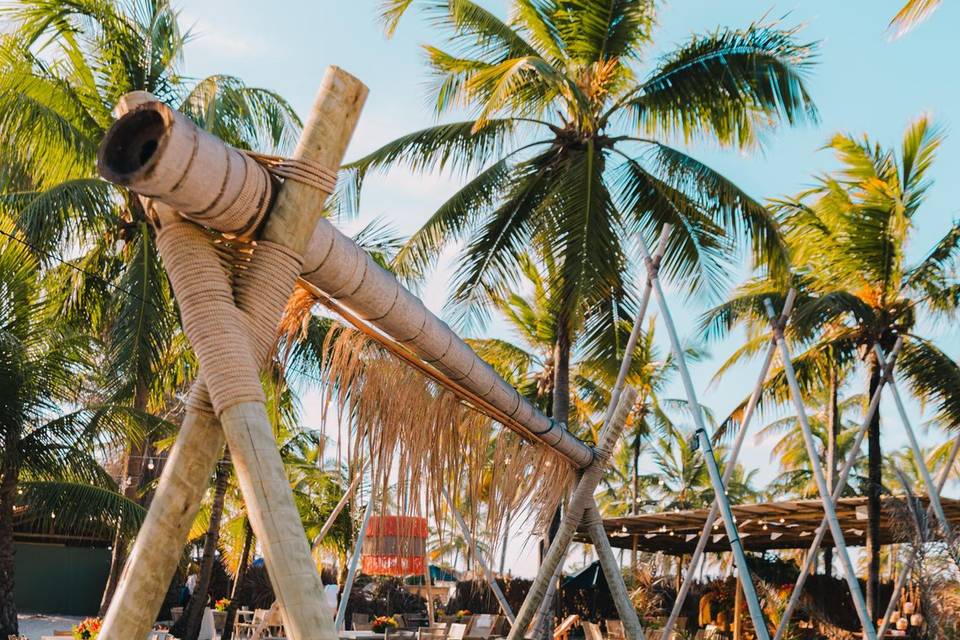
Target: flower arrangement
(89, 629)
(222, 604)
(383, 623)
(463, 613)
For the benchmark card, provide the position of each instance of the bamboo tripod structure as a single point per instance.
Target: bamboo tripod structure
(161, 155)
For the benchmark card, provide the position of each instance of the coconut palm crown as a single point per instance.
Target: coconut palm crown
(568, 148)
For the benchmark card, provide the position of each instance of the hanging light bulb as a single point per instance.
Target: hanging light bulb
(53, 515)
(764, 527)
(150, 464)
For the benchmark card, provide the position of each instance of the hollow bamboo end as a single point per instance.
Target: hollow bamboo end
(129, 151)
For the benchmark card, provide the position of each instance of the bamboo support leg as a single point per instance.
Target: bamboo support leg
(707, 530)
(611, 569)
(736, 546)
(582, 497)
(838, 489)
(337, 509)
(487, 572)
(150, 567)
(912, 556)
(869, 631)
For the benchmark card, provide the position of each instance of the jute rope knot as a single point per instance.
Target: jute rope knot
(306, 172)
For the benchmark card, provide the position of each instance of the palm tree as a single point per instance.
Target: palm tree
(569, 152)
(64, 66)
(47, 466)
(848, 236)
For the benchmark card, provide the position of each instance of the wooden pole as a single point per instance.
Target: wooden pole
(738, 613)
(611, 570)
(337, 509)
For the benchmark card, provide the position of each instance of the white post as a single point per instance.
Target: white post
(837, 492)
(753, 603)
(859, 603)
(487, 572)
(934, 494)
(911, 558)
(337, 509)
(354, 561)
(707, 530)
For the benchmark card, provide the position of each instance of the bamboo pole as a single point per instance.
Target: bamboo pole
(932, 492)
(738, 613)
(911, 558)
(581, 498)
(705, 533)
(611, 570)
(354, 563)
(753, 603)
(487, 572)
(869, 631)
(838, 489)
(259, 468)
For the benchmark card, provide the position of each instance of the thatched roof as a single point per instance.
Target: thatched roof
(770, 525)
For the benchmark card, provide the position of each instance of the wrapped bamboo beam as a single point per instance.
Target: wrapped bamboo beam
(228, 359)
(145, 150)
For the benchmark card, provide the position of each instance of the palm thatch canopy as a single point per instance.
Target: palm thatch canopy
(767, 526)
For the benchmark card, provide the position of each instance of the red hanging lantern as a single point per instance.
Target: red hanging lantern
(394, 546)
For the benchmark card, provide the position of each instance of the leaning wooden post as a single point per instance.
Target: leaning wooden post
(869, 631)
(581, 498)
(217, 325)
(487, 572)
(593, 523)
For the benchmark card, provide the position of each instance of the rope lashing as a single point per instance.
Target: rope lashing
(306, 172)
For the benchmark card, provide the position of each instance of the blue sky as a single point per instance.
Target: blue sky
(862, 82)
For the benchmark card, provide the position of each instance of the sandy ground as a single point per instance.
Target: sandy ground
(34, 625)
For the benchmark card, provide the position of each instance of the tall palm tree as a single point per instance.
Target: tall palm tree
(849, 236)
(568, 145)
(48, 467)
(64, 66)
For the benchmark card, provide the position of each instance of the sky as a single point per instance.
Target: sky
(862, 83)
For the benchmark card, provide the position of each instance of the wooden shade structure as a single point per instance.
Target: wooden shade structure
(395, 546)
(789, 525)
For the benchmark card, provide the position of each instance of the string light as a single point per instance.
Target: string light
(150, 464)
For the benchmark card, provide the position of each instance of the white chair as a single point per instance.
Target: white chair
(591, 631)
(457, 631)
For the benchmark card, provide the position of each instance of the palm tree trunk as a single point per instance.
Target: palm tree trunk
(874, 487)
(8, 606)
(131, 483)
(198, 601)
(238, 581)
(833, 432)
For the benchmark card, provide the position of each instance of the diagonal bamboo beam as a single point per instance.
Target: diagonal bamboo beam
(869, 631)
(838, 489)
(354, 562)
(750, 593)
(338, 508)
(912, 557)
(487, 572)
(698, 552)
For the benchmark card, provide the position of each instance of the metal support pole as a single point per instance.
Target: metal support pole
(698, 552)
(354, 561)
(753, 603)
(911, 558)
(932, 492)
(869, 631)
(487, 572)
